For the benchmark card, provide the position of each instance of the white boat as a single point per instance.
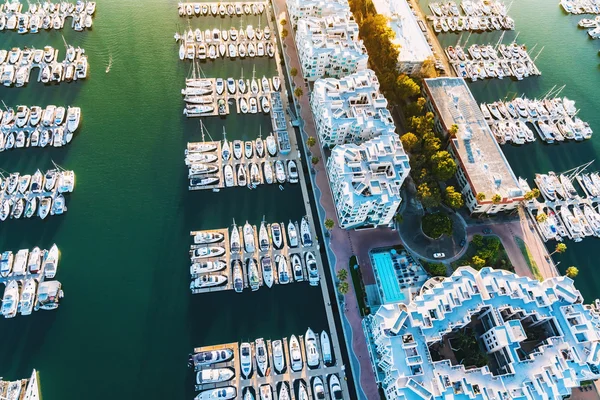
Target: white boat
(268, 172)
(203, 181)
(238, 276)
(292, 234)
(267, 270)
(260, 147)
(271, 145)
(248, 238)
(295, 354)
(206, 281)
(51, 262)
(282, 270)
(246, 359)
(10, 301)
(276, 235)
(228, 175)
(263, 237)
(305, 234)
(24, 181)
(254, 86)
(261, 355)
(20, 264)
(27, 296)
(6, 263)
(248, 149)
(207, 267)
(223, 393)
(199, 169)
(284, 392)
(234, 240)
(237, 149)
(214, 375)
(265, 104)
(310, 346)
(44, 207)
(318, 389)
(5, 209)
(266, 393)
(326, 347)
(292, 171)
(335, 390)
(276, 83)
(253, 280)
(207, 252)
(297, 267)
(207, 237)
(73, 118)
(278, 356)
(312, 269)
(34, 260)
(254, 175)
(302, 393)
(219, 86)
(193, 158)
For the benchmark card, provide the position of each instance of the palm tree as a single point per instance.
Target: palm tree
(541, 217)
(343, 288)
(311, 141)
(560, 248)
(480, 196)
(329, 224)
(496, 199)
(572, 272)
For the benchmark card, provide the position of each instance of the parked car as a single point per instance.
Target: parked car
(439, 255)
(463, 242)
(487, 231)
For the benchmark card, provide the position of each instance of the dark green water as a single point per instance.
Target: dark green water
(569, 58)
(128, 320)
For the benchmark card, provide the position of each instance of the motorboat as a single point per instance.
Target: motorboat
(271, 145)
(254, 86)
(208, 237)
(51, 262)
(207, 252)
(231, 85)
(234, 240)
(12, 183)
(199, 169)
(326, 347)
(238, 276)
(302, 393)
(268, 172)
(206, 181)
(44, 207)
(295, 354)
(34, 260)
(219, 86)
(253, 105)
(260, 49)
(207, 267)
(10, 301)
(232, 50)
(6, 263)
(282, 269)
(253, 279)
(50, 180)
(267, 270)
(305, 234)
(248, 149)
(222, 393)
(73, 118)
(310, 346)
(276, 83)
(265, 104)
(194, 158)
(24, 181)
(244, 105)
(260, 147)
(254, 175)
(246, 359)
(31, 207)
(297, 267)
(261, 355)
(292, 171)
(237, 149)
(311, 267)
(276, 235)
(266, 393)
(284, 392)
(27, 297)
(249, 238)
(278, 356)
(20, 263)
(318, 389)
(18, 208)
(263, 237)
(335, 390)
(214, 375)
(228, 175)
(292, 234)
(207, 281)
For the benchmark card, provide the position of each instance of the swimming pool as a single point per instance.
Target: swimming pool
(386, 274)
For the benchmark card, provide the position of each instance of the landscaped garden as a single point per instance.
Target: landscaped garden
(485, 252)
(437, 224)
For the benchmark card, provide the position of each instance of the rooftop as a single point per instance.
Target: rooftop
(338, 32)
(412, 41)
(478, 152)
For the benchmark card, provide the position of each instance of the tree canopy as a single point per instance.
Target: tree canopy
(409, 141)
(453, 198)
(572, 272)
(444, 166)
(436, 224)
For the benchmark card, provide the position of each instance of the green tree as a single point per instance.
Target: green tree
(477, 262)
(428, 68)
(496, 199)
(409, 141)
(398, 218)
(541, 217)
(478, 241)
(560, 248)
(435, 269)
(293, 72)
(436, 224)
(444, 166)
(311, 141)
(431, 144)
(298, 92)
(314, 160)
(406, 87)
(454, 199)
(342, 274)
(480, 196)
(572, 272)
(428, 195)
(343, 288)
(283, 22)
(284, 33)
(453, 130)
(532, 194)
(329, 224)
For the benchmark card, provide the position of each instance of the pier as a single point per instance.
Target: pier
(286, 250)
(46, 16)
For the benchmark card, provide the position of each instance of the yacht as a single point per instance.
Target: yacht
(199, 169)
(295, 354)
(271, 145)
(254, 175)
(20, 264)
(5, 209)
(232, 50)
(282, 269)
(260, 147)
(263, 237)
(335, 390)
(231, 85)
(292, 171)
(27, 296)
(228, 175)
(24, 181)
(266, 393)
(318, 389)
(311, 267)
(249, 238)
(44, 207)
(208, 237)
(267, 270)
(302, 393)
(220, 86)
(246, 359)
(276, 235)
(241, 175)
(253, 279)
(50, 180)
(244, 105)
(326, 347)
(242, 86)
(209, 180)
(248, 150)
(268, 172)
(310, 346)
(222, 393)
(572, 224)
(207, 252)
(292, 234)
(34, 261)
(262, 361)
(207, 281)
(214, 375)
(568, 186)
(254, 86)
(237, 149)
(276, 83)
(284, 392)
(51, 262)
(234, 240)
(265, 105)
(207, 267)
(260, 49)
(10, 301)
(6, 263)
(18, 208)
(546, 185)
(280, 171)
(305, 232)
(73, 118)
(297, 267)
(238, 276)
(278, 356)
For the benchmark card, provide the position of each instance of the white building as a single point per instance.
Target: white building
(351, 109)
(365, 181)
(412, 42)
(483, 171)
(538, 337)
(298, 9)
(330, 47)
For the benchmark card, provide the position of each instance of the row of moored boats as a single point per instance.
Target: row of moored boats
(573, 221)
(471, 8)
(46, 16)
(581, 6)
(24, 275)
(220, 9)
(470, 24)
(488, 52)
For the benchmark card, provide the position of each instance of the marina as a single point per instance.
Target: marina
(46, 16)
(478, 16)
(16, 65)
(300, 367)
(486, 61)
(23, 389)
(26, 276)
(230, 9)
(40, 194)
(251, 257)
(553, 118)
(581, 6)
(38, 127)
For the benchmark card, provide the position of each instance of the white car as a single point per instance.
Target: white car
(439, 255)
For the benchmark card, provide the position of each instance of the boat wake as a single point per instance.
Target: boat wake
(110, 61)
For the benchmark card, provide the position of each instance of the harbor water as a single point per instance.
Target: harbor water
(569, 58)
(128, 319)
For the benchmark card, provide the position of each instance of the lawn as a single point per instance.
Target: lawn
(529, 259)
(358, 286)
